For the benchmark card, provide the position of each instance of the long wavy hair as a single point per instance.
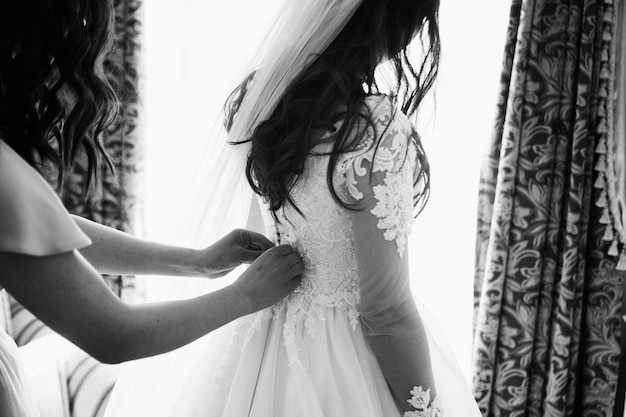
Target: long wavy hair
(54, 98)
(341, 78)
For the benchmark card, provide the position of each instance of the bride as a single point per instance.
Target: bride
(340, 173)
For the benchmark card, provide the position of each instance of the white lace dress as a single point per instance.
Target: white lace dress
(309, 355)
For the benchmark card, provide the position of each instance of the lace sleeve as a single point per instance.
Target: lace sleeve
(384, 176)
(379, 183)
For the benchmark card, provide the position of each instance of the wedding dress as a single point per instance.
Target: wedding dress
(308, 356)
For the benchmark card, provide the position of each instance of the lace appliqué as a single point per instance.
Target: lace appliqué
(393, 210)
(303, 309)
(424, 407)
(323, 237)
(394, 191)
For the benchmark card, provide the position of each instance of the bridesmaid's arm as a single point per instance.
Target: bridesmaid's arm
(119, 253)
(68, 294)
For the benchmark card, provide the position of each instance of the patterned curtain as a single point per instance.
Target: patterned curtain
(620, 169)
(619, 122)
(115, 200)
(547, 292)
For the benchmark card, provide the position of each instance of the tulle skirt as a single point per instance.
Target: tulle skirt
(267, 366)
(15, 396)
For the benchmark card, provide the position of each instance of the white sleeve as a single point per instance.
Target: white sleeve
(33, 220)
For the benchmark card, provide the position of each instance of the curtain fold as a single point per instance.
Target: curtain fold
(547, 297)
(619, 125)
(115, 200)
(619, 122)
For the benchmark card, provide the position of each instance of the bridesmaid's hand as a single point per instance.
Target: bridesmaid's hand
(238, 247)
(272, 277)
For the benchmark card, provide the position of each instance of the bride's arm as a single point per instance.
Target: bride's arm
(389, 317)
(119, 253)
(379, 182)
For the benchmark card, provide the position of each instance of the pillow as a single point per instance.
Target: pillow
(90, 384)
(5, 313)
(47, 380)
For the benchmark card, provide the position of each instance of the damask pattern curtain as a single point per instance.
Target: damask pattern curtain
(619, 125)
(115, 200)
(547, 296)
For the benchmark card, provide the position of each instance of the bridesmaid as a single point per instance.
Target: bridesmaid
(54, 104)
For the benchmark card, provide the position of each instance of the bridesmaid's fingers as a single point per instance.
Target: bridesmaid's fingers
(249, 255)
(284, 250)
(253, 240)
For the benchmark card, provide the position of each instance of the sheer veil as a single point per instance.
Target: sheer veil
(219, 198)
(301, 30)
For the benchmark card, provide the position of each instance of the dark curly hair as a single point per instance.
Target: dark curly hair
(54, 98)
(341, 78)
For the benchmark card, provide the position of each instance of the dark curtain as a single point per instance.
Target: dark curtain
(619, 124)
(547, 294)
